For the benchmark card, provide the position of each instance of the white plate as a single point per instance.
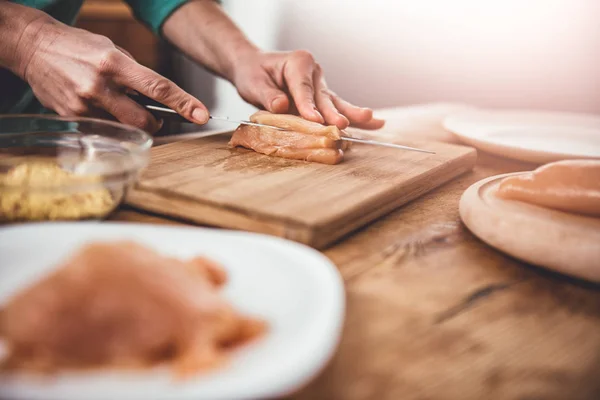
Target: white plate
(296, 289)
(533, 136)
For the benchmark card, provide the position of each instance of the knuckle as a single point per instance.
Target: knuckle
(159, 88)
(325, 92)
(102, 40)
(307, 85)
(109, 59)
(90, 89)
(185, 107)
(304, 54)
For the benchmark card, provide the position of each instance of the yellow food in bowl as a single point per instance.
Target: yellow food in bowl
(42, 190)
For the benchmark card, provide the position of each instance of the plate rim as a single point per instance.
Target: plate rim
(505, 150)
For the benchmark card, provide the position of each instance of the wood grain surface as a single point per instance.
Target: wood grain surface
(434, 313)
(205, 181)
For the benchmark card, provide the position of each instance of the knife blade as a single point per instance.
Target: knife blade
(162, 112)
(167, 113)
(385, 144)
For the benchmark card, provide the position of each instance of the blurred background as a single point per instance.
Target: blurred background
(535, 54)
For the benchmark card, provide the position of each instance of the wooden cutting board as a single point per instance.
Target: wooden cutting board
(206, 182)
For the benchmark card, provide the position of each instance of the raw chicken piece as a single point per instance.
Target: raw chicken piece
(570, 186)
(295, 123)
(288, 144)
(305, 140)
(123, 305)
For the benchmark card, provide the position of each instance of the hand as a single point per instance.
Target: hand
(78, 73)
(293, 82)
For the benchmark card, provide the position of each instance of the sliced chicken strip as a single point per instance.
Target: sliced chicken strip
(570, 186)
(297, 124)
(322, 156)
(288, 144)
(271, 137)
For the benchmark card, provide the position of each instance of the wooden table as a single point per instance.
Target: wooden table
(433, 313)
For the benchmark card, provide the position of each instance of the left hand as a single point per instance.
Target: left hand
(293, 82)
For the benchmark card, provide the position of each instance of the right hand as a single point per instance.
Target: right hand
(78, 73)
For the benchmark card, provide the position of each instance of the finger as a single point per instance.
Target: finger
(272, 98)
(129, 112)
(128, 54)
(298, 75)
(130, 74)
(354, 113)
(100, 113)
(79, 108)
(325, 104)
(373, 124)
(293, 109)
(358, 116)
(280, 105)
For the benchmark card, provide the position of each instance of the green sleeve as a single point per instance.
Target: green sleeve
(154, 13)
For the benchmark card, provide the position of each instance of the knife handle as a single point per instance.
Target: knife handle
(158, 110)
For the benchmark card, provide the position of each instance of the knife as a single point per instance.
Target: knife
(161, 112)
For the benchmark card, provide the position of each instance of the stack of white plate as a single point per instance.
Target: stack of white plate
(533, 136)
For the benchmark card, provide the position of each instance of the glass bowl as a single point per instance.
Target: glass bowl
(61, 168)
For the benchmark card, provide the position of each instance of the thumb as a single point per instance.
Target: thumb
(272, 98)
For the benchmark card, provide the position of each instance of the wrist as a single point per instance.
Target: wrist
(34, 34)
(21, 34)
(203, 31)
(240, 55)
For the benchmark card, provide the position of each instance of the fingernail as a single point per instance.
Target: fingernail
(343, 121)
(278, 104)
(318, 115)
(200, 115)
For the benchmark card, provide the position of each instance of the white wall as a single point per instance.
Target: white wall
(260, 20)
(504, 53)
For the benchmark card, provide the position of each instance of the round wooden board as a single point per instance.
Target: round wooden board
(566, 243)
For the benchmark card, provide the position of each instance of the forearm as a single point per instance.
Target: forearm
(19, 27)
(203, 31)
